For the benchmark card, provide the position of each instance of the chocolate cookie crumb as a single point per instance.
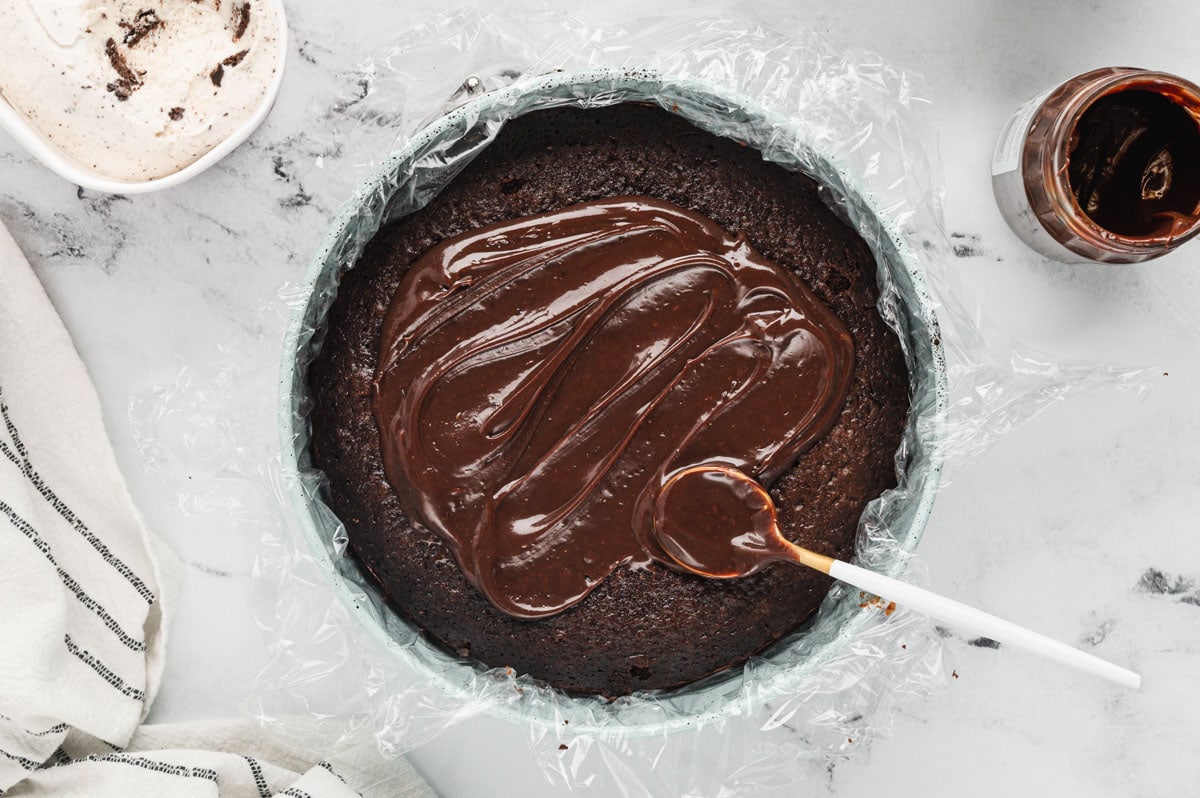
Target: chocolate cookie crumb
(983, 642)
(235, 59)
(175, 113)
(217, 75)
(145, 22)
(241, 20)
(127, 81)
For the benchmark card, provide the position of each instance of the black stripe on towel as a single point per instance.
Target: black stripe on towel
(28, 764)
(295, 793)
(55, 729)
(84, 599)
(156, 766)
(326, 766)
(23, 462)
(260, 781)
(116, 681)
(62, 509)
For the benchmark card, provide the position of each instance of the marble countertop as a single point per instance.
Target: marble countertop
(1080, 523)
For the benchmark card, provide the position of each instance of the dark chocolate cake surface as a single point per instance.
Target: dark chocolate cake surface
(650, 627)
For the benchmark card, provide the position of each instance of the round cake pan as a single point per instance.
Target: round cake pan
(406, 180)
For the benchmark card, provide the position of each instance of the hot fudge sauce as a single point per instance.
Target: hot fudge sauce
(1134, 163)
(540, 380)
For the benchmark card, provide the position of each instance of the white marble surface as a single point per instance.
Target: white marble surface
(1054, 527)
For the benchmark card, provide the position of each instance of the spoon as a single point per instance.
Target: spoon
(715, 499)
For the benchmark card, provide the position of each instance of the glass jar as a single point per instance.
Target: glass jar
(1094, 139)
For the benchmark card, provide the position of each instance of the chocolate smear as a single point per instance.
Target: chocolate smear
(540, 379)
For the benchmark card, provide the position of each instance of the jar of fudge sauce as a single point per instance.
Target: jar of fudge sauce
(1105, 167)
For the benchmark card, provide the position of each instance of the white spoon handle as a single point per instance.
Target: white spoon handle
(979, 622)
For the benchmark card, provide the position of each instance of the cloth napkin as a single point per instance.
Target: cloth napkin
(85, 597)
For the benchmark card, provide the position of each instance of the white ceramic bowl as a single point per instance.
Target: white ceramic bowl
(404, 182)
(46, 151)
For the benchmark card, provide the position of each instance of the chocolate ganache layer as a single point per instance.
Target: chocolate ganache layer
(649, 626)
(540, 379)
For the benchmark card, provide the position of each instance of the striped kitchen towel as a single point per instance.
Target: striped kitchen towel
(85, 596)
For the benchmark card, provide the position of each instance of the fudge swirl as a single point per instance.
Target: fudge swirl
(540, 379)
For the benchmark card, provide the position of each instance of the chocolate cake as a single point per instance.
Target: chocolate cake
(614, 619)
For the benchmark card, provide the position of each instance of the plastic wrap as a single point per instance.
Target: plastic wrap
(339, 654)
